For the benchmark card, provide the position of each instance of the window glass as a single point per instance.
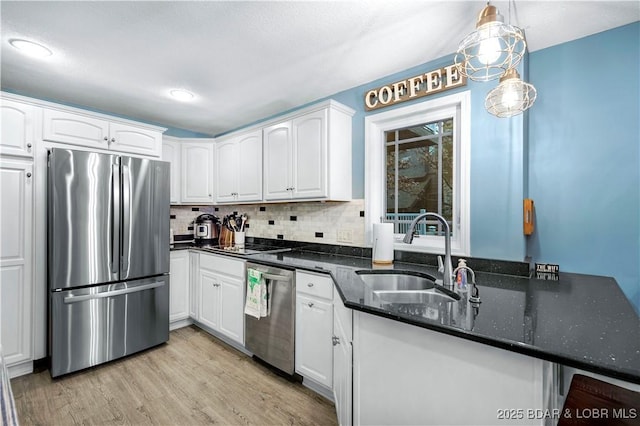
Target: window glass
(419, 167)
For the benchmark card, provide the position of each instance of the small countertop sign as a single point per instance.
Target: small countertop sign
(547, 271)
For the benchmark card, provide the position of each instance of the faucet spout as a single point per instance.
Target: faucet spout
(408, 239)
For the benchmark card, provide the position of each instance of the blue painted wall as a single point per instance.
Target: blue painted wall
(584, 158)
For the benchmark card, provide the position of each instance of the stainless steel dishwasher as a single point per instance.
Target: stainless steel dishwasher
(272, 338)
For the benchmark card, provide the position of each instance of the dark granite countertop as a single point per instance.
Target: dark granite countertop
(582, 321)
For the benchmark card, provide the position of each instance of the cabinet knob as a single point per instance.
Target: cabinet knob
(310, 285)
(113, 140)
(335, 340)
(106, 138)
(310, 304)
(29, 146)
(28, 174)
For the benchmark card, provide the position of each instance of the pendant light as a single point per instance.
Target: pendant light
(492, 49)
(511, 97)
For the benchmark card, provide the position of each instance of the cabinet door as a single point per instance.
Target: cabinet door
(314, 329)
(309, 167)
(194, 287)
(209, 300)
(16, 137)
(75, 129)
(197, 172)
(179, 285)
(171, 153)
(277, 161)
(232, 308)
(249, 169)
(16, 260)
(226, 171)
(134, 140)
(342, 361)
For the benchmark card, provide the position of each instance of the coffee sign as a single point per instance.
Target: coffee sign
(421, 85)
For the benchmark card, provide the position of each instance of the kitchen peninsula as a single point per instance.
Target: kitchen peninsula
(524, 331)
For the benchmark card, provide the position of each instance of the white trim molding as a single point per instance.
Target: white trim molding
(457, 105)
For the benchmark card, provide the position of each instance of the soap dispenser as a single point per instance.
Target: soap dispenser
(461, 275)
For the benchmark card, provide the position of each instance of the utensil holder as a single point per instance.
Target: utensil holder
(226, 238)
(239, 239)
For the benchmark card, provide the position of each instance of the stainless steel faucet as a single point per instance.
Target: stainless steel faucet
(447, 268)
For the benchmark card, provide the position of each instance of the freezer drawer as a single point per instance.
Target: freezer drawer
(93, 325)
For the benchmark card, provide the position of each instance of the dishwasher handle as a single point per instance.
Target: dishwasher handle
(275, 277)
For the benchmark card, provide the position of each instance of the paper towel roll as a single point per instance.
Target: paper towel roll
(382, 243)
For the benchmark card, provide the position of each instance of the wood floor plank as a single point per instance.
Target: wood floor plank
(194, 379)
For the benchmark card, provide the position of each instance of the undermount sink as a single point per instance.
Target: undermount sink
(412, 297)
(405, 287)
(393, 280)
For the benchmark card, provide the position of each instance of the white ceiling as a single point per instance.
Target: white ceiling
(249, 60)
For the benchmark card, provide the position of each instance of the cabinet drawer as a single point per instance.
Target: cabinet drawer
(314, 285)
(222, 264)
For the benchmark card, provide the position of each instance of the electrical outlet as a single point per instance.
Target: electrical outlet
(345, 236)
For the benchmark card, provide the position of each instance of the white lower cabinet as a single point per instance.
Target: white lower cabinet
(16, 264)
(403, 374)
(221, 295)
(342, 361)
(314, 327)
(179, 295)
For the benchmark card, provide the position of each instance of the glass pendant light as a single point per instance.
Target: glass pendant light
(492, 49)
(511, 97)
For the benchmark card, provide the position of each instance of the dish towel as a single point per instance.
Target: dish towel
(257, 304)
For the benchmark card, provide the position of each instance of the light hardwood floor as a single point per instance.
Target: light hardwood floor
(193, 379)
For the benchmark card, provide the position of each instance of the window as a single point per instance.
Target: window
(417, 160)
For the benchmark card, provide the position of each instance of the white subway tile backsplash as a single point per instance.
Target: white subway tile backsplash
(310, 218)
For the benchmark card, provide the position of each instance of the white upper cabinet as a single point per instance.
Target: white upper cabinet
(197, 172)
(171, 153)
(98, 132)
(309, 155)
(134, 140)
(16, 136)
(238, 168)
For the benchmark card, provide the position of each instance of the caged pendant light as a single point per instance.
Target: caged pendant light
(511, 97)
(493, 48)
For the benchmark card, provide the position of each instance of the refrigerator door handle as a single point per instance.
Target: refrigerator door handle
(115, 219)
(102, 295)
(126, 221)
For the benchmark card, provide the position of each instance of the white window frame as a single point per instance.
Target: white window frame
(457, 105)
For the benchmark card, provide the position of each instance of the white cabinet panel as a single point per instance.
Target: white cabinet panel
(249, 171)
(16, 259)
(197, 172)
(277, 161)
(209, 300)
(239, 168)
(314, 329)
(75, 129)
(16, 137)
(342, 361)
(134, 140)
(171, 153)
(179, 285)
(310, 155)
(232, 308)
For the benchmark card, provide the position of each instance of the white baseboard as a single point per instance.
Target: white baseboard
(318, 388)
(180, 323)
(21, 369)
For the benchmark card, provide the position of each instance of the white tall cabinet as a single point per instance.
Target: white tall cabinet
(17, 146)
(16, 261)
(179, 267)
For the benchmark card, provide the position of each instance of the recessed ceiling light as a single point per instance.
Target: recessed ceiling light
(181, 95)
(30, 48)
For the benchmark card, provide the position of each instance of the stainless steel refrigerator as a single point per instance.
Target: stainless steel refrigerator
(108, 257)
